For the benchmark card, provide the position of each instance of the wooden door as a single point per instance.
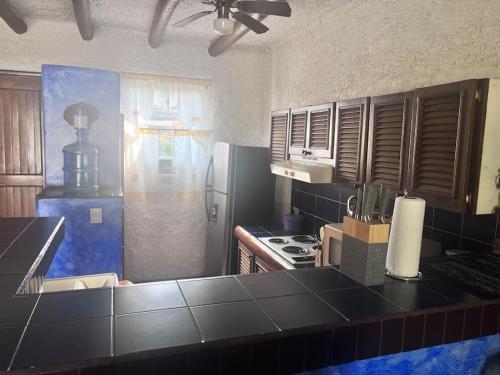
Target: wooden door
(350, 134)
(21, 172)
(388, 135)
(440, 143)
(279, 129)
(320, 130)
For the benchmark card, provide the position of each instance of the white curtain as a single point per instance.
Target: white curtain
(167, 120)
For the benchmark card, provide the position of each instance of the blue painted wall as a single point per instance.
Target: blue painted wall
(86, 248)
(65, 85)
(465, 357)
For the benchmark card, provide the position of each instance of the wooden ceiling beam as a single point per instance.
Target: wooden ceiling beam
(15, 23)
(83, 21)
(163, 13)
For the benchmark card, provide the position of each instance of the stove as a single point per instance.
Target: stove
(299, 251)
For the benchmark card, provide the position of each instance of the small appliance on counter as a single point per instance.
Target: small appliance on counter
(332, 244)
(299, 251)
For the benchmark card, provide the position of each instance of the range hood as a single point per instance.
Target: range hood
(312, 173)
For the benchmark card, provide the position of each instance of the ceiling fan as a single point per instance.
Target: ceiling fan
(240, 11)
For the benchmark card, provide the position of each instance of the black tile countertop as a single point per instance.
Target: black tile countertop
(25, 258)
(79, 328)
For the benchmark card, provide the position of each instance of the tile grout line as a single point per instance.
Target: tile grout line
(481, 321)
(380, 338)
(462, 329)
(460, 237)
(113, 333)
(462, 231)
(258, 305)
(322, 218)
(431, 227)
(388, 300)
(14, 355)
(402, 346)
(428, 288)
(191, 313)
(264, 229)
(425, 315)
(17, 237)
(318, 296)
(445, 323)
(319, 196)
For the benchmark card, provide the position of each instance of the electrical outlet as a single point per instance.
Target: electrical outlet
(96, 216)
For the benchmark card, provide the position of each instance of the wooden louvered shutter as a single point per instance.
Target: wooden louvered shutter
(261, 266)
(246, 260)
(298, 128)
(279, 127)
(350, 128)
(388, 132)
(441, 135)
(319, 140)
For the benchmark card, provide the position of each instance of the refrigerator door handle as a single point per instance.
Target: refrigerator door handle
(207, 186)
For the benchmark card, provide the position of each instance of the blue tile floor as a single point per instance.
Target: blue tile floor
(465, 357)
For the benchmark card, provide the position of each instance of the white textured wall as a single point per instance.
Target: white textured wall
(368, 47)
(240, 77)
(375, 47)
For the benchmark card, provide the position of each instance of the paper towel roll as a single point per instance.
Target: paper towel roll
(405, 239)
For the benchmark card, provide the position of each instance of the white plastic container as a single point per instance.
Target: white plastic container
(103, 280)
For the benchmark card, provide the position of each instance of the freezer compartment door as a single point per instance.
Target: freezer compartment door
(218, 234)
(220, 180)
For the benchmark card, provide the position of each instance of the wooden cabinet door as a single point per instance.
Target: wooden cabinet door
(261, 266)
(320, 130)
(350, 135)
(279, 130)
(298, 130)
(21, 172)
(388, 135)
(440, 143)
(246, 260)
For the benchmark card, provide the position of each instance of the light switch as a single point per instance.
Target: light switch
(95, 215)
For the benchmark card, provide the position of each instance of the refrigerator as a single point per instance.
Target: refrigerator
(239, 190)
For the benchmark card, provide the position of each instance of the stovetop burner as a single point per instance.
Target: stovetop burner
(298, 254)
(295, 250)
(278, 241)
(303, 239)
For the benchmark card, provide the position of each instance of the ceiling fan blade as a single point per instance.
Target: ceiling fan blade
(250, 22)
(271, 8)
(192, 18)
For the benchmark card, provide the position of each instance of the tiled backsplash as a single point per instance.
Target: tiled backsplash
(326, 203)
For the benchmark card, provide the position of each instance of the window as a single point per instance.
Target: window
(166, 152)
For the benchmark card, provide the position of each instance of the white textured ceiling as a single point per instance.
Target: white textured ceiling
(137, 15)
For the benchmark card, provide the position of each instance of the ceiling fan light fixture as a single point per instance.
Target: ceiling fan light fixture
(223, 26)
